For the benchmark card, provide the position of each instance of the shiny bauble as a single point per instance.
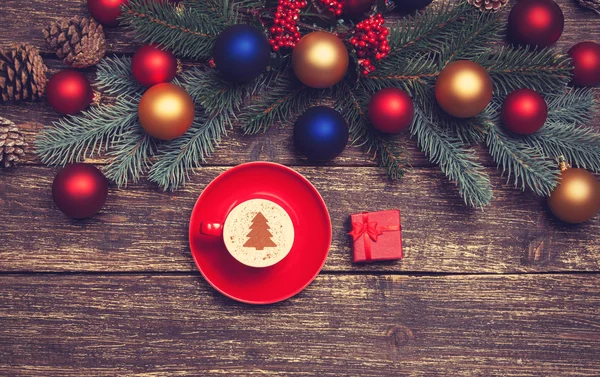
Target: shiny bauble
(357, 8)
(166, 111)
(151, 65)
(242, 53)
(576, 199)
(408, 5)
(107, 12)
(320, 59)
(524, 111)
(80, 190)
(391, 110)
(463, 89)
(320, 134)
(535, 22)
(586, 63)
(69, 92)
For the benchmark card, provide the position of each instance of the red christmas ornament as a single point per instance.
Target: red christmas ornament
(284, 32)
(370, 41)
(356, 8)
(69, 92)
(391, 110)
(535, 22)
(586, 63)
(80, 190)
(524, 111)
(106, 12)
(152, 66)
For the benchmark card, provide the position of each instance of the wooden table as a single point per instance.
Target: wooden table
(507, 291)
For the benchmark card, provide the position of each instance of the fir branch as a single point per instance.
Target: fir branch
(211, 91)
(188, 32)
(422, 34)
(217, 100)
(511, 68)
(410, 76)
(526, 164)
(176, 158)
(75, 138)
(456, 162)
(393, 158)
(564, 133)
(130, 156)
(277, 102)
(479, 30)
(115, 77)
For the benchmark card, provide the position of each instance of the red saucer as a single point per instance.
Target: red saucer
(312, 227)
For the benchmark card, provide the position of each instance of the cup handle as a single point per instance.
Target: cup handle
(211, 229)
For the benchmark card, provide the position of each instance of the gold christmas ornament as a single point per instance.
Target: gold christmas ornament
(320, 59)
(463, 89)
(166, 111)
(576, 199)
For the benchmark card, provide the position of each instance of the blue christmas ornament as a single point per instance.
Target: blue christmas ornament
(242, 53)
(321, 134)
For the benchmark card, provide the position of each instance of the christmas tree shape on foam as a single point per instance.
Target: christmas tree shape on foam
(259, 236)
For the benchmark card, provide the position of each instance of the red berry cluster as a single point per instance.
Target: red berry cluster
(370, 41)
(334, 6)
(284, 32)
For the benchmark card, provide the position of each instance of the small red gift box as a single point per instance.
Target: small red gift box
(377, 235)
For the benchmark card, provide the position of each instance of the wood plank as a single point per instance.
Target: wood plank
(144, 229)
(24, 20)
(145, 325)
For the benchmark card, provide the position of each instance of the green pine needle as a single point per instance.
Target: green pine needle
(115, 78)
(454, 158)
(89, 134)
(130, 156)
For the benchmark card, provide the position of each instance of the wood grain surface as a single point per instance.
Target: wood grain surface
(144, 229)
(148, 325)
(505, 291)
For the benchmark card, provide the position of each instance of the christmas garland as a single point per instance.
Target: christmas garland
(418, 48)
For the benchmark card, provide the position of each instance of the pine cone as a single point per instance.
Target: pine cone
(79, 41)
(12, 143)
(487, 5)
(590, 4)
(22, 74)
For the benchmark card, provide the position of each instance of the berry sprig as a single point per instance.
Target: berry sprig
(370, 42)
(284, 32)
(334, 6)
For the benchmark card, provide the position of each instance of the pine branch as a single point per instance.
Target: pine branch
(394, 159)
(525, 164)
(217, 101)
(511, 69)
(190, 31)
(131, 156)
(75, 138)
(115, 77)
(212, 92)
(409, 76)
(479, 30)
(456, 162)
(423, 34)
(176, 158)
(564, 133)
(278, 101)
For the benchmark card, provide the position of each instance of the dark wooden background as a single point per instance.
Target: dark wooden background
(508, 290)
